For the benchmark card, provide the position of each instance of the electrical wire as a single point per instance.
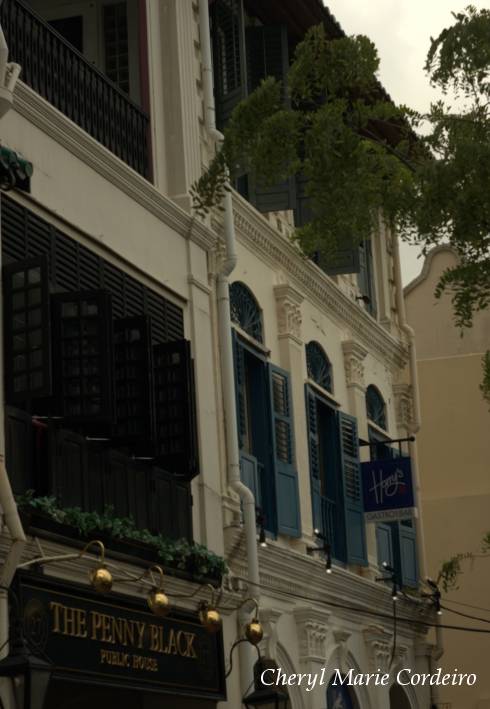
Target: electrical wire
(358, 609)
(465, 615)
(467, 605)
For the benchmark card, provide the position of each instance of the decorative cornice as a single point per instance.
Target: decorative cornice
(288, 301)
(378, 645)
(257, 234)
(354, 355)
(312, 628)
(403, 405)
(57, 126)
(268, 619)
(290, 576)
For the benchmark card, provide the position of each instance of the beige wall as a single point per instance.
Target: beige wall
(454, 456)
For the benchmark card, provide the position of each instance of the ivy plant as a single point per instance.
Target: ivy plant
(175, 554)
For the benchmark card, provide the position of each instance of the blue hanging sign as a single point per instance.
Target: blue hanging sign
(388, 489)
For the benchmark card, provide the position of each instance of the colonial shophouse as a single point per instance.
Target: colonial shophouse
(133, 421)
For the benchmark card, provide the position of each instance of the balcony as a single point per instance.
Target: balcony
(98, 94)
(87, 473)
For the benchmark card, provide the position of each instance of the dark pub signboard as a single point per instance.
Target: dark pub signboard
(111, 640)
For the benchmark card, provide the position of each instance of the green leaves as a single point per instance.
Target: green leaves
(181, 554)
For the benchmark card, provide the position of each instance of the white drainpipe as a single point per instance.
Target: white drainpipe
(438, 649)
(226, 350)
(9, 73)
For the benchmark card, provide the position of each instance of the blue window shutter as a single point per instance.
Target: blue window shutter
(239, 359)
(313, 445)
(351, 478)
(286, 477)
(249, 475)
(408, 555)
(384, 544)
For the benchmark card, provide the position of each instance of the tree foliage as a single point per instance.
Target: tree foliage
(361, 155)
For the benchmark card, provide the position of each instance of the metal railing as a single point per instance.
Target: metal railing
(62, 75)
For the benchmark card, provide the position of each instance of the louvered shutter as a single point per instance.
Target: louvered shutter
(68, 467)
(286, 477)
(239, 360)
(27, 331)
(228, 57)
(170, 505)
(365, 279)
(19, 450)
(133, 383)
(407, 544)
(176, 432)
(384, 544)
(249, 475)
(314, 450)
(352, 491)
(267, 55)
(82, 355)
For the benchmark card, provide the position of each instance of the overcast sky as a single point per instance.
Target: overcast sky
(401, 30)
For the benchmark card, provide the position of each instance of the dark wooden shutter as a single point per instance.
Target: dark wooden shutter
(353, 505)
(27, 331)
(82, 353)
(405, 535)
(365, 278)
(176, 430)
(228, 57)
(241, 404)
(68, 467)
(267, 55)
(384, 544)
(19, 450)
(286, 477)
(314, 449)
(170, 505)
(249, 475)
(133, 383)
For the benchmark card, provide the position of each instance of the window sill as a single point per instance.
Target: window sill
(323, 393)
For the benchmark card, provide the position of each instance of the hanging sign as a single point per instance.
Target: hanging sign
(388, 489)
(115, 640)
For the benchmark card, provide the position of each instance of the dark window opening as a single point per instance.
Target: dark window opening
(71, 29)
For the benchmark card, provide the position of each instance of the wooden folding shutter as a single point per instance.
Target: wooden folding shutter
(82, 353)
(133, 383)
(384, 544)
(365, 278)
(352, 490)
(176, 430)
(228, 57)
(286, 477)
(19, 450)
(267, 55)
(314, 449)
(249, 475)
(407, 549)
(27, 330)
(68, 467)
(239, 361)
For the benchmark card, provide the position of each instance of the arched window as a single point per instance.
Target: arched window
(318, 366)
(245, 311)
(376, 407)
(340, 697)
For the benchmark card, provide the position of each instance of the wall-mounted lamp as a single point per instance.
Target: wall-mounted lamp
(158, 601)
(260, 522)
(391, 575)
(209, 615)
(100, 577)
(325, 547)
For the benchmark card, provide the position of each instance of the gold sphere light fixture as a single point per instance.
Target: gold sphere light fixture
(254, 631)
(100, 577)
(209, 615)
(158, 601)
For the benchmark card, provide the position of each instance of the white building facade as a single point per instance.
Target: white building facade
(110, 109)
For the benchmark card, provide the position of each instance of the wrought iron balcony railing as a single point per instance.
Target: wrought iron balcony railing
(63, 76)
